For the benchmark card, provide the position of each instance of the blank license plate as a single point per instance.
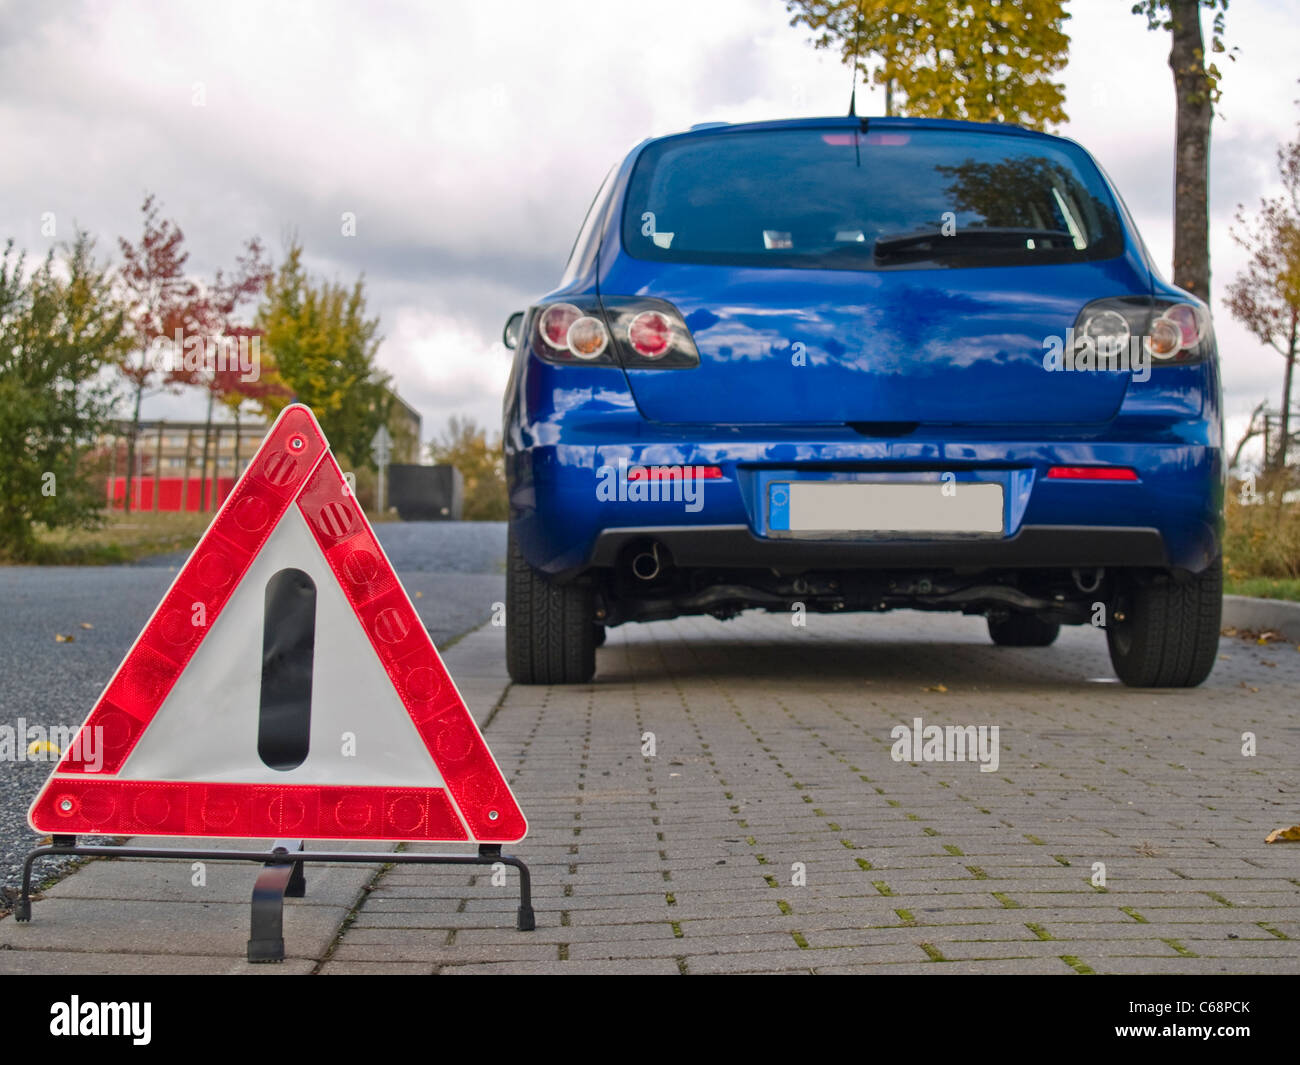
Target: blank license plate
(839, 506)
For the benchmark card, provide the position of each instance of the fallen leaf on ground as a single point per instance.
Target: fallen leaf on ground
(1249, 687)
(61, 637)
(1254, 635)
(936, 688)
(87, 625)
(1287, 835)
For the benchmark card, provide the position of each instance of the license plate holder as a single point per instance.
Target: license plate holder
(938, 509)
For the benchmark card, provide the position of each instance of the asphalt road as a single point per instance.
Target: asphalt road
(453, 572)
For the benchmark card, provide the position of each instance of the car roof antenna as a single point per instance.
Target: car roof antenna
(853, 92)
(857, 40)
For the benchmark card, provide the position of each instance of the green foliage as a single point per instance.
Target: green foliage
(324, 351)
(59, 329)
(982, 60)
(1160, 15)
(482, 464)
(1264, 587)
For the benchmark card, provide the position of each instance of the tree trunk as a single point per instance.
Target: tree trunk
(216, 468)
(203, 466)
(130, 446)
(1286, 402)
(185, 480)
(1191, 168)
(112, 476)
(157, 469)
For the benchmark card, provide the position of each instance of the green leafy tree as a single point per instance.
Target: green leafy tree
(60, 329)
(982, 60)
(324, 350)
(1196, 91)
(481, 463)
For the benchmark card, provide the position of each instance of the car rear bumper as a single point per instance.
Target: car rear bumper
(1170, 517)
(735, 546)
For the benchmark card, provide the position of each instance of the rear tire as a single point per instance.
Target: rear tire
(1164, 633)
(550, 638)
(1023, 630)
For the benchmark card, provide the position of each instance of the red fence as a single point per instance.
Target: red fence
(172, 492)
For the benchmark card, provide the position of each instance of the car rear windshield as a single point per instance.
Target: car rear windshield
(842, 198)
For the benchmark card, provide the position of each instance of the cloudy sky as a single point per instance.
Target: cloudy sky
(469, 139)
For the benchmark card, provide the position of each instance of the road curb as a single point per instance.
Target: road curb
(1262, 615)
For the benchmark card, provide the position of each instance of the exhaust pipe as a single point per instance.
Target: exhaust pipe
(646, 565)
(1091, 585)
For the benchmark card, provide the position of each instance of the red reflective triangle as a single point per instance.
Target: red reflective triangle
(92, 789)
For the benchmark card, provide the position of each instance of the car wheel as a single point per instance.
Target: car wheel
(550, 638)
(1164, 633)
(1023, 630)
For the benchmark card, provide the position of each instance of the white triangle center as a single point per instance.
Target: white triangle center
(206, 729)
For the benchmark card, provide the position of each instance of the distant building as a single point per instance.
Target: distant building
(404, 428)
(169, 470)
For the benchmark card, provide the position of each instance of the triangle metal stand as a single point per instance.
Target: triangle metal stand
(281, 878)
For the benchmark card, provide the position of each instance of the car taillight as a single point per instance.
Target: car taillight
(1108, 329)
(1180, 328)
(650, 333)
(638, 332)
(566, 332)
(555, 324)
(587, 337)
(1127, 328)
(1164, 339)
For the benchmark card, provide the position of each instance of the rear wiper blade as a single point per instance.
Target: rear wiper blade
(977, 237)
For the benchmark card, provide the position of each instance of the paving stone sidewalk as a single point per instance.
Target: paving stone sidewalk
(771, 830)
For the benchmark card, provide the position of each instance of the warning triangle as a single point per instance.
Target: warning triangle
(285, 686)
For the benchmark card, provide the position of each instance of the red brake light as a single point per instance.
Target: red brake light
(672, 473)
(1188, 321)
(1092, 473)
(555, 324)
(651, 334)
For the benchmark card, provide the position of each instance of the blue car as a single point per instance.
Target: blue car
(856, 364)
